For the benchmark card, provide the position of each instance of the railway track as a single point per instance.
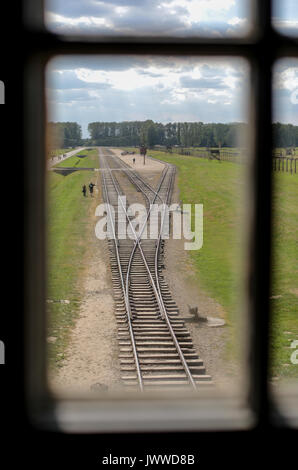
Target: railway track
(156, 350)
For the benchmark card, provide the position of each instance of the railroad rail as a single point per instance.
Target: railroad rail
(156, 350)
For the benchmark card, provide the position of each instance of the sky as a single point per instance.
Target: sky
(148, 17)
(164, 89)
(285, 16)
(285, 91)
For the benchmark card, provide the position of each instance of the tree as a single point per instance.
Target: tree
(64, 134)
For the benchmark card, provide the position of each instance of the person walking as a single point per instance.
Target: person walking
(91, 185)
(84, 190)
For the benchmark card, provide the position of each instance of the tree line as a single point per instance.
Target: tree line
(285, 135)
(64, 134)
(184, 134)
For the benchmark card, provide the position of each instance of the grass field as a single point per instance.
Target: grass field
(279, 150)
(91, 161)
(58, 152)
(218, 186)
(285, 274)
(69, 226)
(222, 149)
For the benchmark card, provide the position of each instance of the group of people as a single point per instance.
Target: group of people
(84, 189)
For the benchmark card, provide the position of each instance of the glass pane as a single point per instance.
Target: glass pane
(285, 16)
(166, 133)
(169, 18)
(284, 295)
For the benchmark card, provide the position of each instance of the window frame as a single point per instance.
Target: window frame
(261, 50)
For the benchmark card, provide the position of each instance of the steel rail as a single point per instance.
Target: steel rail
(150, 203)
(125, 296)
(138, 243)
(157, 287)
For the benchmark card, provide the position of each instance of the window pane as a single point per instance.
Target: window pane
(191, 115)
(284, 295)
(285, 16)
(169, 18)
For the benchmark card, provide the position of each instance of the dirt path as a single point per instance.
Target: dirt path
(209, 342)
(91, 363)
(150, 165)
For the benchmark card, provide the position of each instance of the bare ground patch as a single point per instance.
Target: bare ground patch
(91, 361)
(210, 343)
(150, 164)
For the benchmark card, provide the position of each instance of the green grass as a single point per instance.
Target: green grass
(277, 150)
(218, 186)
(69, 225)
(222, 149)
(57, 152)
(285, 274)
(91, 161)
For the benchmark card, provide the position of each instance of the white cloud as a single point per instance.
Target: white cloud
(165, 17)
(173, 79)
(287, 79)
(121, 10)
(162, 89)
(285, 24)
(126, 80)
(197, 10)
(80, 21)
(236, 21)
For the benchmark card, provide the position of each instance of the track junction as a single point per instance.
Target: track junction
(156, 350)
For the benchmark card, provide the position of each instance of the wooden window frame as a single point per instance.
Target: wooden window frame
(261, 49)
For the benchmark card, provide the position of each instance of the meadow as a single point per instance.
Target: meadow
(219, 187)
(69, 227)
(90, 161)
(284, 296)
(216, 185)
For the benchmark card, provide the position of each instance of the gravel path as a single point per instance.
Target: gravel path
(91, 363)
(150, 165)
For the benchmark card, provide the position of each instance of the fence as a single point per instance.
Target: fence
(288, 165)
(280, 163)
(221, 154)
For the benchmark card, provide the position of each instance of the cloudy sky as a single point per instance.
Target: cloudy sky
(285, 94)
(165, 89)
(167, 17)
(214, 18)
(130, 88)
(286, 16)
